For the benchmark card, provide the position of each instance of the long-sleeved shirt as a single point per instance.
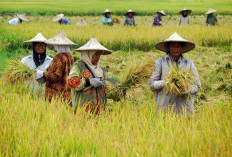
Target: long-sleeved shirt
(211, 20)
(157, 21)
(14, 21)
(162, 66)
(64, 21)
(56, 84)
(184, 20)
(106, 21)
(129, 21)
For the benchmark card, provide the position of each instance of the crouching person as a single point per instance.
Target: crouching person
(86, 78)
(174, 47)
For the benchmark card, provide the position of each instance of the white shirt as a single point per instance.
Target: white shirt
(14, 21)
(29, 61)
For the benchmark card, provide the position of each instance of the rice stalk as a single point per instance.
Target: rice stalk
(178, 81)
(17, 72)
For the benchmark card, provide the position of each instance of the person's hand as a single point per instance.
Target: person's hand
(160, 22)
(38, 74)
(158, 84)
(95, 82)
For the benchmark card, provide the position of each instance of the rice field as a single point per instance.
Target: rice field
(131, 125)
(96, 7)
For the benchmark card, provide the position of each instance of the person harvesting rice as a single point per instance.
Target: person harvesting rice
(184, 18)
(158, 18)
(86, 78)
(129, 20)
(175, 46)
(17, 20)
(39, 59)
(61, 19)
(211, 19)
(59, 69)
(106, 19)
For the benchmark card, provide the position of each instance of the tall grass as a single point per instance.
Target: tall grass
(116, 37)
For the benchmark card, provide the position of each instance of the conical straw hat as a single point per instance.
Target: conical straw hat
(161, 12)
(107, 11)
(38, 38)
(189, 11)
(210, 11)
(22, 17)
(58, 17)
(175, 37)
(130, 11)
(60, 39)
(94, 45)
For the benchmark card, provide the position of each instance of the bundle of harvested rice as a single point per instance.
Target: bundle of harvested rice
(17, 72)
(178, 81)
(116, 20)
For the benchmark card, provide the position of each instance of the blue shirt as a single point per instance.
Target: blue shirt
(64, 21)
(106, 21)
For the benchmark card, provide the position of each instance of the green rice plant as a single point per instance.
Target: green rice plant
(178, 81)
(16, 72)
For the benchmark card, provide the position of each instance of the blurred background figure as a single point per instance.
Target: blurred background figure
(106, 19)
(81, 23)
(211, 19)
(129, 20)
(18, 19)
(184, 18)
(158, 18)
(61, 19)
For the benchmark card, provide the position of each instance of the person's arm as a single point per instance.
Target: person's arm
(67, 22)
(197, 84)
(56, 70)
(125, 21)
(188, 20)
(155, 81)
(154, 21)
(75, 80)
(180, 21)
(134, 21)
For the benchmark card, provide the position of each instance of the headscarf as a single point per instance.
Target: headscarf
(61, 49)
(87, 58)
(38, 58)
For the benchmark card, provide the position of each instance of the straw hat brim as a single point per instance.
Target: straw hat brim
(189, 11)
(103, 52)
(133, 13)
(22, 17)
(210, 12)
(57, 18)
(161, 13)
(34, 41)
(107, 12)
(163, 46)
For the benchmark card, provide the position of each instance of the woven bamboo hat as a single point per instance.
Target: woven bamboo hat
(130, 11)
(161, 12)
(94, 45)
(175, 37)
(38, 38)
(187, 10)
(107, 11)
(22, 17)
(60, 39)
(58, 17)
(210, 11)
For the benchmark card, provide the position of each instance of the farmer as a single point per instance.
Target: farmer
(56, 85)
(158, 18)
(61, 19)
(211, 19)
(39, 59)
(86, 78)
(129, 20)
(106, 19)
(18, 19)
(174, 47)
(184, 18)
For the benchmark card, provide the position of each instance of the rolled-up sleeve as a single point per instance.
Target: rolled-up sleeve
(155, 81)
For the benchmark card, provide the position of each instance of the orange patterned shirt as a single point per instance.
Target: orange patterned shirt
(56, 85)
